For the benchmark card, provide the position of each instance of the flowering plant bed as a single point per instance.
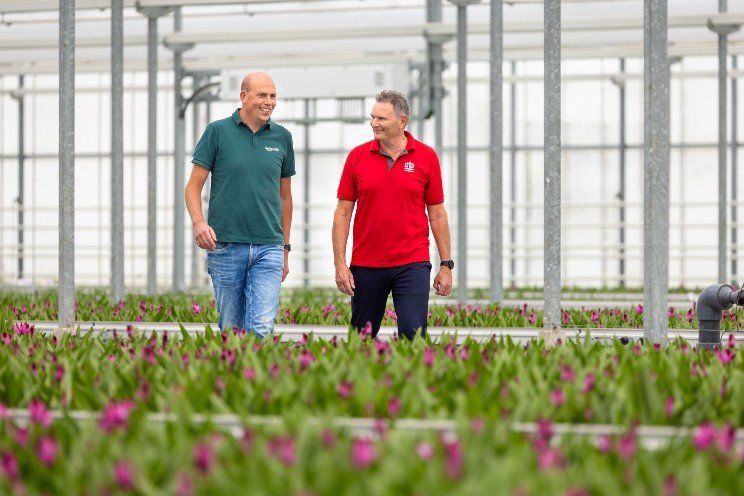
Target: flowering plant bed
(325, 307)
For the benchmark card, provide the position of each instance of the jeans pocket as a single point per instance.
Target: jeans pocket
(220, 247)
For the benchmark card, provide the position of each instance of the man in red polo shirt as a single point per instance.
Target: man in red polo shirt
(395, 181)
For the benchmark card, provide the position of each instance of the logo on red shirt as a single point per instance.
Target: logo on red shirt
(408, 167)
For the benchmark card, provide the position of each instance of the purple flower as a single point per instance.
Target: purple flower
(3, 410)
(594, 316)
(59, 373)
(329, 438)
(283, 448)
(249, 373)
(557, 397)
(203, 458)
(425, 451)
(626, 446)
(429, 357)
(725, 356)
(23, 328)
(669, 406)
(394, 406)
(195, 308)
(549, 458)
(639, 309)
(345, 389)
(567, 374)
(116, 415)
(21, 436)
(362, 453)
(9, 465)
(306, 359)
(123, 475)
(532, 318)
(604, 444)
(47, 451)
(39, 413)
(453, 457)
(726, 437)
(704, 436)
(589, 381)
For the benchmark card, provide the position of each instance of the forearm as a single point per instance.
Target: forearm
(287, 207)
(441, 232)
(340, 235)
(192, 196)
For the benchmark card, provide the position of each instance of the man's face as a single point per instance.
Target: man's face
(385, 124)
(260, 99)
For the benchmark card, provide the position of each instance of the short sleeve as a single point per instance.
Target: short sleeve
(205, 151)
(434, 193)
(288, 166)
(347, 189)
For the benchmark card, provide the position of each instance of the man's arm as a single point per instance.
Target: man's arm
(203, 234)
(285, 193)
(340, 235)
(441, 232)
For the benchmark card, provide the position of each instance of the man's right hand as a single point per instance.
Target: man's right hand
(345, 280)
(204, 236)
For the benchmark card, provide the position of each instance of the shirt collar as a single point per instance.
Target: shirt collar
(239, 121)
(410, 145)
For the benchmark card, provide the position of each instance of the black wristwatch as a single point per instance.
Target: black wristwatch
(288, 247)
(447, 263)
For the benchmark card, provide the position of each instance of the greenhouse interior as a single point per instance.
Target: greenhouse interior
(567, 323)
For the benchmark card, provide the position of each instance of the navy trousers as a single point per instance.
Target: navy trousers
(410, 286)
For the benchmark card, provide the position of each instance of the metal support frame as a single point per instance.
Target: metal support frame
(196, 81)
(152, 14)
(20, 200)
(513, 173)
(552, 174)
(306, 199)
(117, 150)
(462, 149)
(496, 150)
(66, 290)
(734, 165)
(656, 171)
(179, 166)
(437, 66)
(622, 149)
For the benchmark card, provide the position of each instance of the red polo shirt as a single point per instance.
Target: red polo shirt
(390, 224)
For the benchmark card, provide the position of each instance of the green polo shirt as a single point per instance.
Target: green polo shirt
(246, 167)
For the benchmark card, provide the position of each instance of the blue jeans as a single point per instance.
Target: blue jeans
(247, 279)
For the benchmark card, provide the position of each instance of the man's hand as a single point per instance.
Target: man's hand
(204, 236)
(443, 281)
(345, 280)
(286, 265)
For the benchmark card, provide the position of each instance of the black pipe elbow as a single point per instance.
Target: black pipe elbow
(710, 305)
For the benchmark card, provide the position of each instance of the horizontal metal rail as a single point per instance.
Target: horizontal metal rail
(650, 436)
(296, 332)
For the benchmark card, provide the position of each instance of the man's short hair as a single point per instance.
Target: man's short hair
(396, 99)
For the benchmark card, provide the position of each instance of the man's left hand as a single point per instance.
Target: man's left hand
(286, 265)
(443, 282)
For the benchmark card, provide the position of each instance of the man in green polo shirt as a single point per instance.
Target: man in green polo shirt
(251, 159)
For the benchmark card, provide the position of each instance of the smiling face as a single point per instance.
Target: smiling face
(386, 126)
(258, 98)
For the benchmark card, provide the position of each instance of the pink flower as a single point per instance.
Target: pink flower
(116, 415)
(429, 357)
(567, 374)
(21, 436)
(425, 451)
(604, 444)
(394, 406)
(123, 475)
(3, 410)
(725, 356)
(39, 413)
(477, 424)
(59, 373)
(366, 331)
(362, 453)
(544, 429)
(589, 381)
(283, 448)
(557, 397)
(21, 328)
(626, 446)
(639, 309)
(203, 458)
(47, 451)
(249, 373)
(345, 389)
(704, 436)
(549, 458)
(9, 465)
(669, 406)
(726, 437)
(453, 457)
(594, 316)
(195, 308)
(329, 438)
(464, 353)
(532, 318)
(306, 359)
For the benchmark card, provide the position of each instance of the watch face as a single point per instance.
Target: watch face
(448, 263)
